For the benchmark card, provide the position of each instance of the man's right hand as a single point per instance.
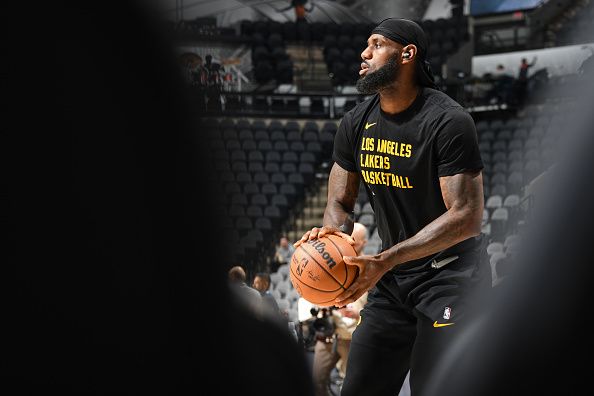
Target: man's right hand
(320, 232)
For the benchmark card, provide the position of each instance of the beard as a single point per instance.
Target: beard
(382, 78)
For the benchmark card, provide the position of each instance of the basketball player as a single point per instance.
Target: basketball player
(415, 149)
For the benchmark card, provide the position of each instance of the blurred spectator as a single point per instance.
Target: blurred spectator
(502, 85)
(524, 66)
(300, 9)
(522, 83)
(500, 71)
(283, 252)
(247, 295)
(199, 74)
(214, 84)
(269, 305)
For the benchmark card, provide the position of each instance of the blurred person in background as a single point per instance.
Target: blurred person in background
(522, 81)
(244, 293)
(284, 252)
(269, 305)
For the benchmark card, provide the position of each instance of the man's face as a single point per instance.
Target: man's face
(284, 242)
(380, 66)
(260, 284)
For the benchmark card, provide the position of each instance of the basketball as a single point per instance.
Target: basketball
(318, 272)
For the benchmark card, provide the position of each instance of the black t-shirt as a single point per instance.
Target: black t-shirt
(401, 157)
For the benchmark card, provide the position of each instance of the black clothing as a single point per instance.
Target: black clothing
(401, 157)
(416, 309)
(409, 321)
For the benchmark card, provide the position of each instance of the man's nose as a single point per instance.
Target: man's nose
(366, 54)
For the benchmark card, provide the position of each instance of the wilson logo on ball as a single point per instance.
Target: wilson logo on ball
(320, 248)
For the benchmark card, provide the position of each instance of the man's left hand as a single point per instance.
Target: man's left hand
(371, 269)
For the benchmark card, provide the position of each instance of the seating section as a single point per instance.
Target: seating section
(269, 55)
(265, 167)
(516, 151)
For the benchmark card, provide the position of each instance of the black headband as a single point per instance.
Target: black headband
(406, 32)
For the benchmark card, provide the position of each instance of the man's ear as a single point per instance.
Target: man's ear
(409, 52)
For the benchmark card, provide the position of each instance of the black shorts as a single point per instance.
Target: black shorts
(443, 294)
(410, 319)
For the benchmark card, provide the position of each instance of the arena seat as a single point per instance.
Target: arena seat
(254, 212)
(251, 189)
(269, 189)
(236, 211)
(494, 247)
(273, 167)
(499, 219)
(499, 189)
(255, 167)
(249, 145)
(261, 134)
(283, 270)
(238, 166)
(493, 261)
(289, 167)
(281, 146)
(232, 144)
(259, 199)
(515, 181)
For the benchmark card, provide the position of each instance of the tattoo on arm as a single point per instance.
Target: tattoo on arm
(343, 188)
(463, 198)
(463, 194)
(463, 190)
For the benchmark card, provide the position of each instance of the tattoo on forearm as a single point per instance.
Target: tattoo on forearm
(343, 188)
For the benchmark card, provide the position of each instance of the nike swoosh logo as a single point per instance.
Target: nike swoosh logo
(368, 125)
(435, 324)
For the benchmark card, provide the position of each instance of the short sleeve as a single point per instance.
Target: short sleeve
(344, 151)
(457, 145)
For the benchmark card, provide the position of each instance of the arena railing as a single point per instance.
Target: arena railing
(291, 105)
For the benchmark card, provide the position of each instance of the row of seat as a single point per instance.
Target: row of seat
(263, 156)
(276, 135)
(503, 183)
(272, 125)
(526, 123)
(303, 32)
